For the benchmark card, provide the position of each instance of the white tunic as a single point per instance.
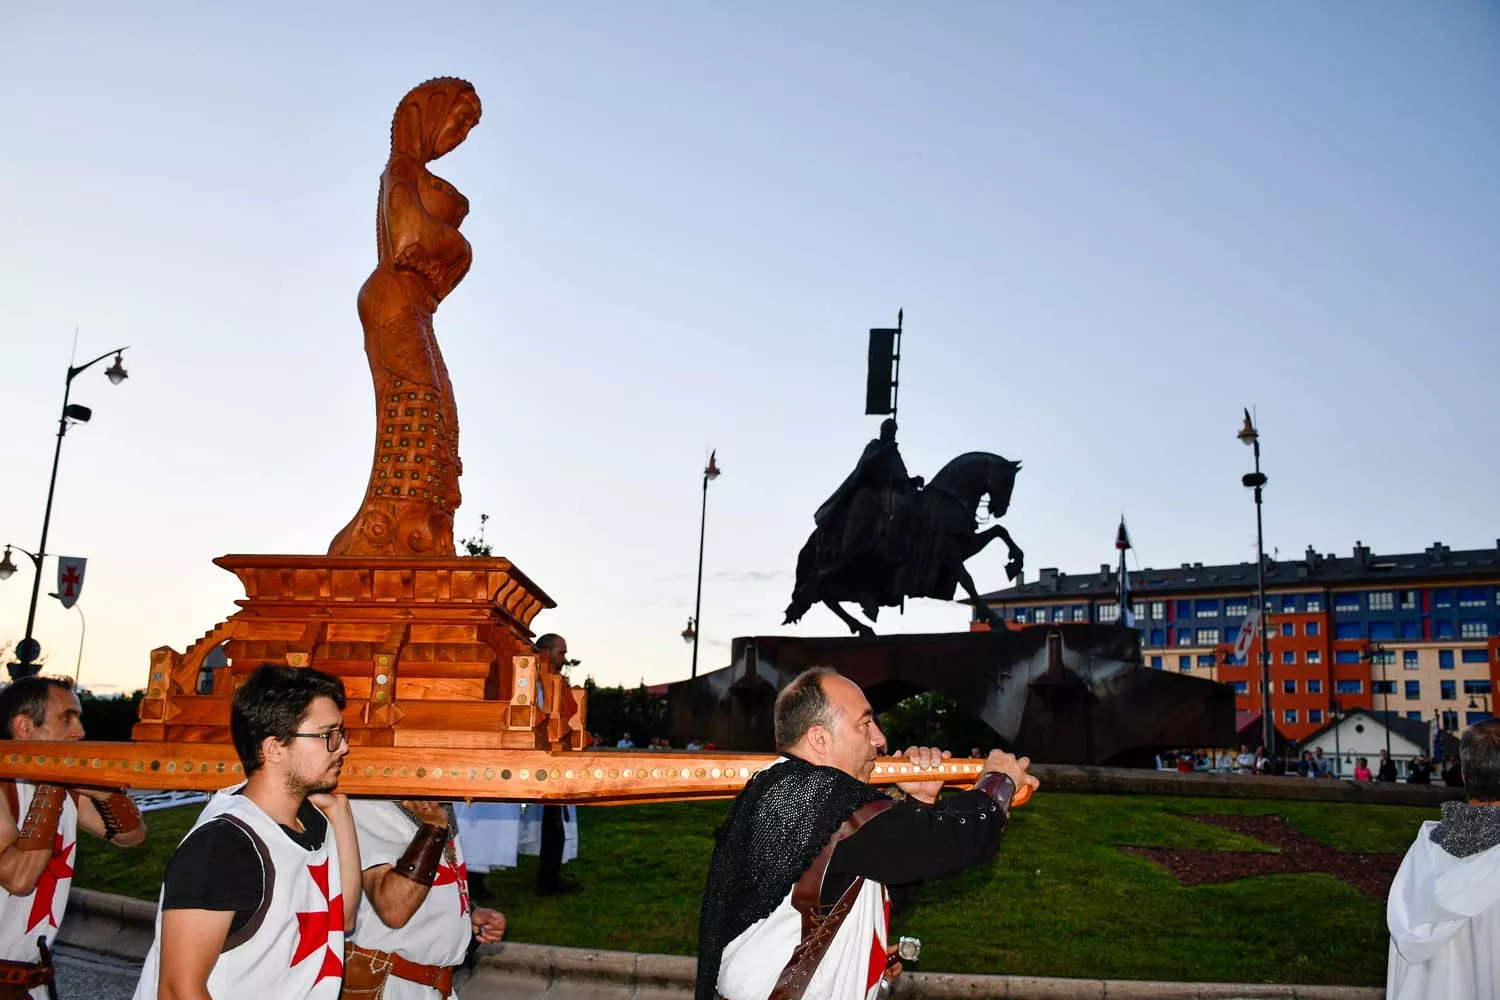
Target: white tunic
(293, 947)
(1444, 917)
(439, 932)
(492, 831)
(23, 919)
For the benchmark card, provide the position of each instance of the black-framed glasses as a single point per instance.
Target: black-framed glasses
(333, 739)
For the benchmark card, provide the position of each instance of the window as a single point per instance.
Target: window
(1158, 637)
(1414, 716)
(1241, 687)
(1450, 720)
(1314, 715)
(1445, 659)
(1314, 656)
(1442, 630)
(1021, 616)
(1156, 663)
(1409, 659)
(1238, 609)
(1288, 687)
(1290, 715)
(1350, 686)
(1347, 630)
(1288, 658)
(1383, 658)
(1080, 612)
(1346, 656)
(1448, 690)
(1442, 597)
(1381, 600)
(1231, 634)
(1470, 718)
(1314, 605)
(1473, 628)
(1382, 630)
(1477, 687)
(1383, 687)
(1345, 603)
(1206, 660)
(1408, 600)
(1207, 609)
(1184, 637)
(1471, 597)
(1184, 663)
(1315, 686)
(1109, 613)
(1208, 636)
(1138, 609)
(1411, 630)
(1476, 656)
(1288, 602)
(1413, 690)
(1288, 629)
(1313, 628)
(1158, 610)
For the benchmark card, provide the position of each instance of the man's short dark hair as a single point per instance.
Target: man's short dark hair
(801, 705)
(28, 696)
(549, 641)
(273, 702)
(1479, 752)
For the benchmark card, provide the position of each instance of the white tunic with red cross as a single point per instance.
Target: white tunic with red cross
(23, 919)
(439, 932)
(293, 946)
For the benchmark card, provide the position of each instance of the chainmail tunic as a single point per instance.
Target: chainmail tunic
(1467, 829)
(774, 829)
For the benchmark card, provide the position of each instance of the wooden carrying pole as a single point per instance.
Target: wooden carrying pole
(603, 778)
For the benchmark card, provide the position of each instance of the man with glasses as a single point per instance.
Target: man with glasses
(256, 898)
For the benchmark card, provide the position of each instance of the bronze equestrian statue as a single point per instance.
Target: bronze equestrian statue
(884, 536)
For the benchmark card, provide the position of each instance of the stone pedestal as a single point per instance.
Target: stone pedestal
(433, 652)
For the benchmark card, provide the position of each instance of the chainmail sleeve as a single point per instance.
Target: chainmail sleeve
(772, 832)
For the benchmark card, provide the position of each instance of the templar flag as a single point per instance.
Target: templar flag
(69, 579)
(1122, 542)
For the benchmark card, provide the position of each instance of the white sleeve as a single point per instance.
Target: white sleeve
(384, 831)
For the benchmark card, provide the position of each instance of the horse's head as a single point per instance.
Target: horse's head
(1000, 482)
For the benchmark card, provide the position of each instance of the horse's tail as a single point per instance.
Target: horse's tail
(804, 591)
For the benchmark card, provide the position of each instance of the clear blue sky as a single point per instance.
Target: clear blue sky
(1111, 226)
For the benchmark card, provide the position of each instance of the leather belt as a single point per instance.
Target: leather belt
(438, 977)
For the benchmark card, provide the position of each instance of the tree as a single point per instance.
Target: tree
(615, 711)
(478, 546)
(932, 719)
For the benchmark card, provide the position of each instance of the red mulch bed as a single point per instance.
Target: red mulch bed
(1297, 854)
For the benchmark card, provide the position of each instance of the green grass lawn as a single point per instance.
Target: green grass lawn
(1061, 900)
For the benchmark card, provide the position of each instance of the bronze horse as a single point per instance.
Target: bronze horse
(907, 543)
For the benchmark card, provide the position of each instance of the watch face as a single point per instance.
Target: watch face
(909, 948)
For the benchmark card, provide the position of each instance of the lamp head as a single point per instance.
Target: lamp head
(7, 565)
(1248, 434)
(690, 632)
(116, 372)
(712, 471)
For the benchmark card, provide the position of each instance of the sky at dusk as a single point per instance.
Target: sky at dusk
(1110, 225)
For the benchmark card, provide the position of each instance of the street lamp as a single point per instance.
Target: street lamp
(1473, 706)
(710, 471)
(690, 633)
(1370, 654)
(28, 649)
(1256, 480)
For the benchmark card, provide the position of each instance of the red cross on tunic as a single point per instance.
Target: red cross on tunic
(447, 874)
(58, 868)
(313, 928)
(71, 580)
(878, 955)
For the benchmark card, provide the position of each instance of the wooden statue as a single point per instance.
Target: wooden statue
(413, 489)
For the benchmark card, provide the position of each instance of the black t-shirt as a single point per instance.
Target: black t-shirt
(218, 868)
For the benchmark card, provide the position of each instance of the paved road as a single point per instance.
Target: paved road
(84, 974)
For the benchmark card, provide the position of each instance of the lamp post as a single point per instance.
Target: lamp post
(28, 649)
(710, 472)
(1372, 653)
(1473, 706)
(1338, 760)
(1256, 480)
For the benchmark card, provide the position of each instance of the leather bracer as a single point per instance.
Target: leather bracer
(423, 855)
(39, 829)
(120, 815)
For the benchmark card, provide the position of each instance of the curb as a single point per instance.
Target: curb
(123, 928)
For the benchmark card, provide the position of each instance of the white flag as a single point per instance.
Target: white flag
(69, 579)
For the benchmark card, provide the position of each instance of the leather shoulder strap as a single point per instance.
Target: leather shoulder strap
(12, 799)
(818, 928)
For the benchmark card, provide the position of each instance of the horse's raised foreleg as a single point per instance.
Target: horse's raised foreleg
(985, 613)
(855, 625)
(977, 541)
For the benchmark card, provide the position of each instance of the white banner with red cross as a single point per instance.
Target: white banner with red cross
(69, 579)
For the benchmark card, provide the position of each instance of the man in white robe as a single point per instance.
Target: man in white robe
(1444, 908)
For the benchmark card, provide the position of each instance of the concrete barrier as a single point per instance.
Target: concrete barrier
(123, 928)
